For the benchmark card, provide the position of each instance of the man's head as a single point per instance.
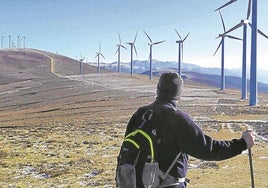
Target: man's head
(169, 87)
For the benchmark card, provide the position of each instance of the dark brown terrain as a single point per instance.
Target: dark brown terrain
(61, 129)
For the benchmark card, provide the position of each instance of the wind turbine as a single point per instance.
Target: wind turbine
(98, 56)
(2, 41)
(222, 51)
(9, 41)
(118, 51)
(244, 23)
(253, 58)
(132, 46)
(18, 42)
(81, 63)
(180, 50)
(151, 43)
(24, 42)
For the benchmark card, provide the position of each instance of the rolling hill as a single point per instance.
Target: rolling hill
(23, 64)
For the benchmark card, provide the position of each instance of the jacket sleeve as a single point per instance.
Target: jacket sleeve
(194, 142)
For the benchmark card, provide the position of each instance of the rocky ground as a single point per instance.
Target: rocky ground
(66, 131)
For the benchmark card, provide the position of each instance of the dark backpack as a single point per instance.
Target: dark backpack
(139, 149)
(137, 164)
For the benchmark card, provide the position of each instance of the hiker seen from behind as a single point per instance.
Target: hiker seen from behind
(160, 136)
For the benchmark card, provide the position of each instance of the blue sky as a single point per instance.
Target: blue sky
(74, 27)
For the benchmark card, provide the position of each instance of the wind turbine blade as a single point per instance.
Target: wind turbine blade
(232, 37)
(97, 55)
(260, 32)
(135, 50)
(135, 37)
(148, 37)
(158, 42)
(226, 4)
(99, 46)
(217, 48)
(222, 21)
(123, 47)
(234, 28)
(249, 9)
(178, 33)
(102, 56)
(186, 37)
(119, 38)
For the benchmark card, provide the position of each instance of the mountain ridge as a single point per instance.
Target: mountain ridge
(233, 76)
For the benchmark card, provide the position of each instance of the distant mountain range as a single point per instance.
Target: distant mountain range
(209, 76)
(24, 64)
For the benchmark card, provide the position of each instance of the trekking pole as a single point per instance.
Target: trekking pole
(251, 168)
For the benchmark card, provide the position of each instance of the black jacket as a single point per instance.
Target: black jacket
(178, 132)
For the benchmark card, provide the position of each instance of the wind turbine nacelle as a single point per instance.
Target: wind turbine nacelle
(178, 41)
(245, 21)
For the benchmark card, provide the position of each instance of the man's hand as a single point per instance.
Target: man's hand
(249, 138)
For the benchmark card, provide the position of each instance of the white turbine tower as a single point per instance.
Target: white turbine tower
(2, 41)
(81, 63)
(9, 41)
(151, 43)
(98, 56)
(118, 51)
(180, 50)
(132, 46)
(24, 38)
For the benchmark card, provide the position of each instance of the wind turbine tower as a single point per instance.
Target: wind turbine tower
(180, 50)
(118, 52)
(151, 43)
(98, 56)
(222, 51)
(132, 46)
(253, 61)
(9, 41)
(2, 42)
(24, 42)
(18, 42)
(81, 64)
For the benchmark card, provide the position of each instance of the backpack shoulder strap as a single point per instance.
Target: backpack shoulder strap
(146, 116)
(164, 175)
